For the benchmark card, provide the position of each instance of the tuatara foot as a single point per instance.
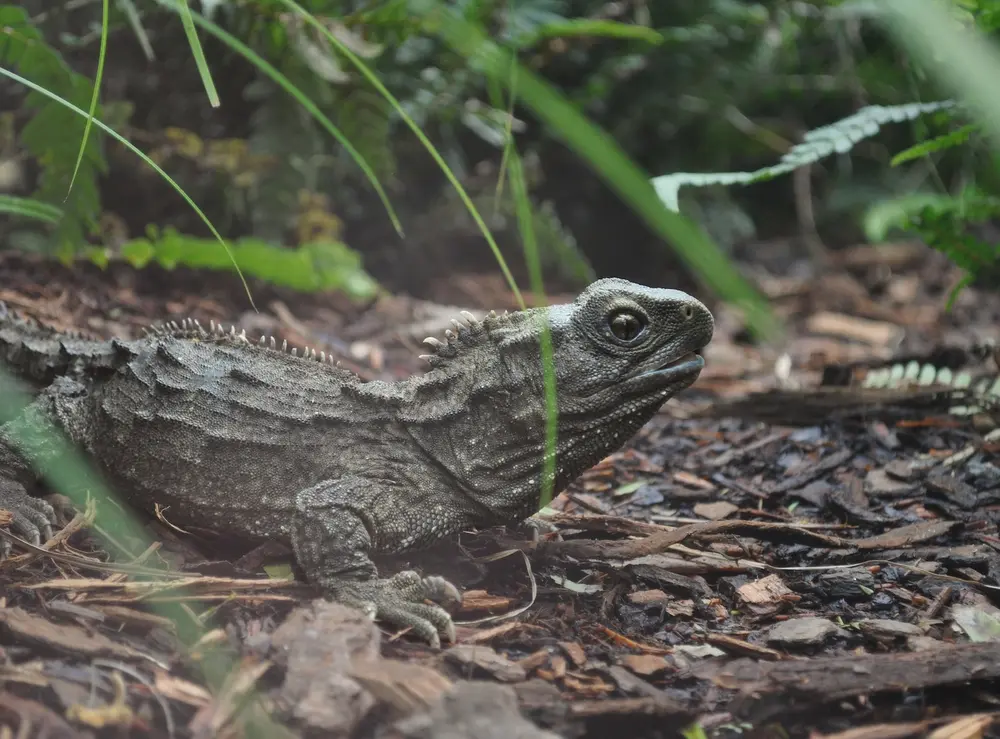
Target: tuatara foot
(33, 518)
(399, 600)
(538, 527)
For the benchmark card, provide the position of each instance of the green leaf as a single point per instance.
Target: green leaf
(694, 731)
(885, 216)
(979, 624)
(946, 223)
(628, 488)
(938, 143)
(138, 253)
(310, 268)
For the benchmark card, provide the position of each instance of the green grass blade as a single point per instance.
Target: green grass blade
(131, 147)
(435, 155)
(523, 209)
(93, 98)
(132, 16)
(29, 208)
(198, 52)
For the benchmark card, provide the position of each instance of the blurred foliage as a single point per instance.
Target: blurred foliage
(51, 134)
(688, 86)
(316, 265)
(957, 43)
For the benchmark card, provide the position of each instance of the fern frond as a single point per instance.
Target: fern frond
(836, 138)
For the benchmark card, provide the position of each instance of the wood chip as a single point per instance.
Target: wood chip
(680, 608)
(906, 536)
(740, 646)
(764, 596)
(880, 731)
(179, 689)
(406, 686)
(645, 664)
(692, 481)
(477, 658)
(648, 597)
(534, 660)
(467, 635)
(556, 669)
(966, 727)
(575, 653)
(68, 638)
(479, 600)
(715, 511)
(876, 333)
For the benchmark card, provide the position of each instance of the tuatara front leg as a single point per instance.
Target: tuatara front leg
(333, 533)
(29, 436)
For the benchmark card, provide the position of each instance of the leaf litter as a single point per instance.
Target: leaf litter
(770, 551)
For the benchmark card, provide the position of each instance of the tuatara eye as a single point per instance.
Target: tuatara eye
(626, 326)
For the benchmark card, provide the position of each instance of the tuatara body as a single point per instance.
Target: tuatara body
(254, 440)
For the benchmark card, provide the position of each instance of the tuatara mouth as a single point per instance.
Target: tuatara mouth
(689, 364)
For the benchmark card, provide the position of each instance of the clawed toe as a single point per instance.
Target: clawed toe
(400, 601)
(33, 518)
(428, 622)
(538, 527)
(412, 587)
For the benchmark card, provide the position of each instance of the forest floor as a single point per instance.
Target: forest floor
(831, 570)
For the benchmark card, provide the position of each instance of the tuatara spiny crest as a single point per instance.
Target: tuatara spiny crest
(252, 440)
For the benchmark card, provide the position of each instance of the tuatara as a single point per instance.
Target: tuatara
(256, 440)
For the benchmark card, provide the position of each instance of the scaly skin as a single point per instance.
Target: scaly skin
(254, 441)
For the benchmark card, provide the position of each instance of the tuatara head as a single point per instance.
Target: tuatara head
(621, 342)
(621, 350)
